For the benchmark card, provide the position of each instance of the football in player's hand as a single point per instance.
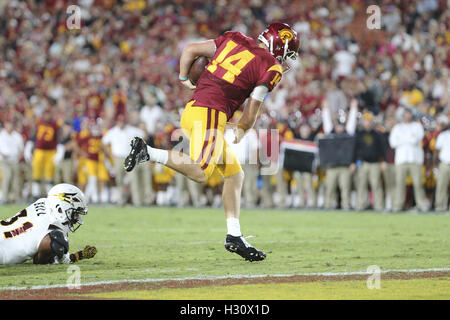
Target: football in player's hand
(197, 67)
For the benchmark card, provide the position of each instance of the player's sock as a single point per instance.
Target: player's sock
(104, 195)
(233, 227)
(36, 189)
(158, 155)
(48, 185)
(92, 189)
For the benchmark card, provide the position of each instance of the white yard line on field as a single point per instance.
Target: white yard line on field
(237, 276)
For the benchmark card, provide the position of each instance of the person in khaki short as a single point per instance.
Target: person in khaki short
(406, 139)
(443, 176)
(368, 154)
(11, 150)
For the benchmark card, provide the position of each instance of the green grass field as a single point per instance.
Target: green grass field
(157, 243)
(413, 289)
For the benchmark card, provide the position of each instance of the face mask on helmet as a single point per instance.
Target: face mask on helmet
(282, 42)
(68, 206)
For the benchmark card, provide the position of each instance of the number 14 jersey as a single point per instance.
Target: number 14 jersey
(238, 66)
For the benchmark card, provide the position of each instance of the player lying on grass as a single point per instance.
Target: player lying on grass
(40, 232)
(239, 68)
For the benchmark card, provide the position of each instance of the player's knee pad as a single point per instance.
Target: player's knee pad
(59, 243)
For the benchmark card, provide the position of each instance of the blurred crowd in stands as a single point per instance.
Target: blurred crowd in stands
(71, 100)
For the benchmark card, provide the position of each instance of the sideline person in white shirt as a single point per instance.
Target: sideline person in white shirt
(119, 138)
(406, 139)
(443, 176)
(150, 116)
(11, 150)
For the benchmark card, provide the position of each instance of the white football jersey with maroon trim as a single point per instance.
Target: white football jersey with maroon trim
(21, 234)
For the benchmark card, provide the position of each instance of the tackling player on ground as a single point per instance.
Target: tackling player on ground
(239, 68)
(40, 231)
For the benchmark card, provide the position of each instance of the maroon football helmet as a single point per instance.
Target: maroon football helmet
(281, 40)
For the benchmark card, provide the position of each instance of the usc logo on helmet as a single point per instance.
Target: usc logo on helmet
(286, 34)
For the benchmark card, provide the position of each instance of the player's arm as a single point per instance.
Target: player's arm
(190, 52)
(250, 113)
(54, 246)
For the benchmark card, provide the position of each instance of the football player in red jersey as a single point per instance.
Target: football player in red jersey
(239, 68)
(46, 145)
(90, 147)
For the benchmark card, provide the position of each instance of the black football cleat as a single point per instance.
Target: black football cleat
(137, 154)
(240, 246)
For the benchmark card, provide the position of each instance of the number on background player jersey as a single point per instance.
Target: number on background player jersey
(45, 132)
(233, 70)
(94, 145)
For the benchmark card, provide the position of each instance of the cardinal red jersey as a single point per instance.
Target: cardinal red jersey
(237, 67)
(91, 145)
(47, 135)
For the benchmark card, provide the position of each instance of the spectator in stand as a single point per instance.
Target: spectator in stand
(335, 97)
(443, 176)
(344, 62)
(339, 176)
(11, 150)
(406, 139)
(369, 153)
